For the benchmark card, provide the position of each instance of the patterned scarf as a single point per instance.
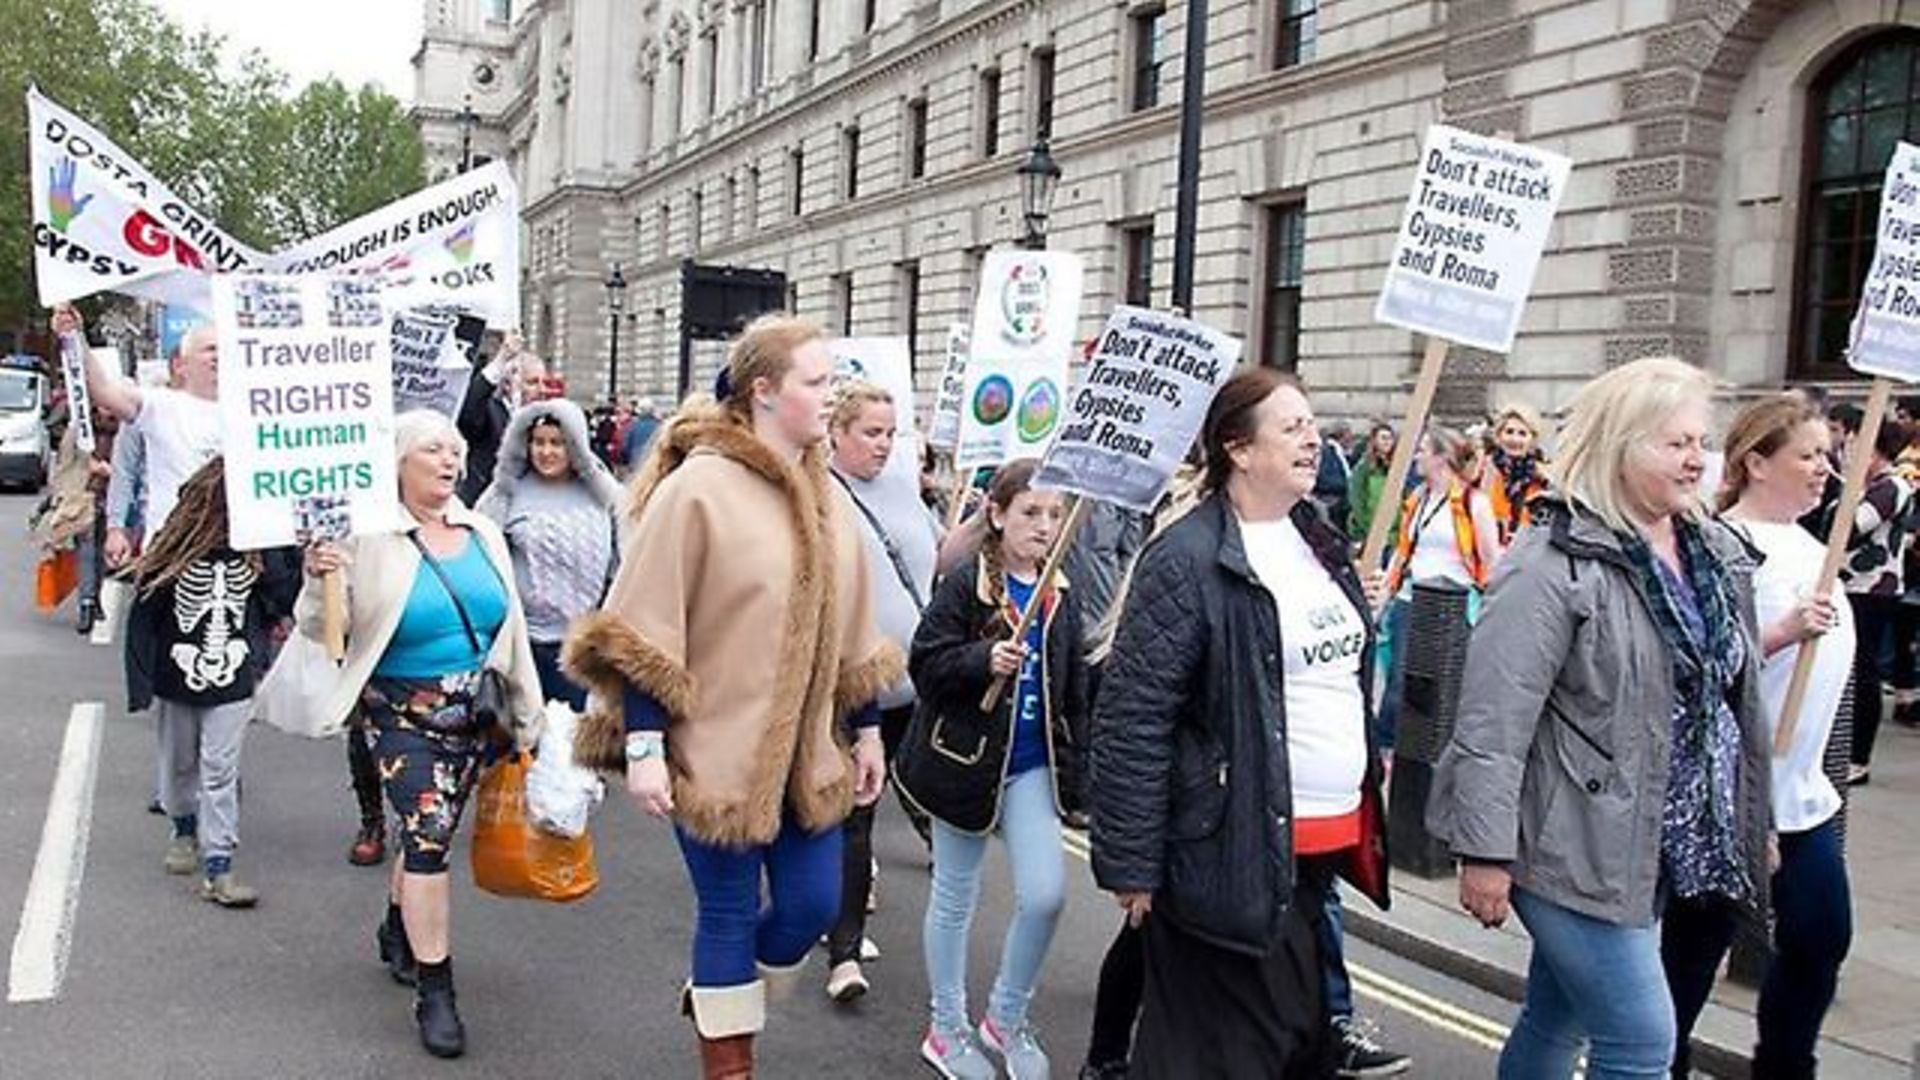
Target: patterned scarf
(1518, 475)
(1700, 842)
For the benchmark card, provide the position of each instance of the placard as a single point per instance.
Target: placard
(1018, 353)
(430, 368)
(887, 363)
(1130, 422)
(943, 430)
(1885, 336)
(306, 404)
(1471, 237)
(73, 368)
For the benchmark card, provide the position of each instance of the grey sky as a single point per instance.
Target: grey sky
(356, 41)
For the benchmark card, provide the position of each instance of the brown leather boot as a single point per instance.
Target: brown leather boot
(730, 1058)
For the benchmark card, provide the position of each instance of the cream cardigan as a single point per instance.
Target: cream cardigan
(380, 572)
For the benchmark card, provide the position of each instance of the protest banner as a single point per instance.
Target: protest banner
(102, 222)
(306, 403)
(943, 428)
(430, 369)
(887, 363)
(73, 367)
(1018, 353)
(1885, 343)
(1131, 420)
(1471, 236)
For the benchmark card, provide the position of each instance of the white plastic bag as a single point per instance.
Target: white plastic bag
(560, 794)
(294, 695)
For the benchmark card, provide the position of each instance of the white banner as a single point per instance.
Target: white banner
(103, 223)
(1130, 422)
(430, 368)
(1886, 329)
(1018, 355)
(885, 362)
(943, 431)
(306, 406)
(73, 366)
(1471, 237)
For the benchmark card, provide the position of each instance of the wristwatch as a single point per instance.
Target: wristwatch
(645, 745)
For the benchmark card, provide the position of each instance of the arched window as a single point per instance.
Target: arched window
(1866, 100)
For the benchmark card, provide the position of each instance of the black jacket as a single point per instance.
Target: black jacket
(153, 631)
(954, 758)
(483, 421)
(1191, 786)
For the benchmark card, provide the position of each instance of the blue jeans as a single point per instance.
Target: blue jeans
(1590, 982)
(1333, 957)
(1031, 827)
(731, 932)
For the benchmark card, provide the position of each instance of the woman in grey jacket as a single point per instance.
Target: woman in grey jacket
(1610, 750)
(556, 502)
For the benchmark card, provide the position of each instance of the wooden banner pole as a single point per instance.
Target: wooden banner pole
(957, 500)
(1858, 458)
(1403, 447)
(1076, 517)
(333, 615)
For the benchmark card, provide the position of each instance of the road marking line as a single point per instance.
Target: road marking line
(1394, 1001)
(41, 946)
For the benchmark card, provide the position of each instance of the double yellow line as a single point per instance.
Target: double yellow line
(1444, 1015)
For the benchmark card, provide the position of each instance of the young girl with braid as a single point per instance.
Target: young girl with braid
(196, 646)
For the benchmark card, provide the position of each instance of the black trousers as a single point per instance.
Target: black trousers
(1874, 620)
(856, 867)
(1116, 1002)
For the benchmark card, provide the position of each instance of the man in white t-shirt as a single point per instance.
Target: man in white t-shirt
(181, 428)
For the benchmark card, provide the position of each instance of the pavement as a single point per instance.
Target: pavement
(1873, 1029)
(119, 971)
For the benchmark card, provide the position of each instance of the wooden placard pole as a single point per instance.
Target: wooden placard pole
(333, 615)
(1858, 458)
(1417, 409)
(957, 501)
(1076, 517)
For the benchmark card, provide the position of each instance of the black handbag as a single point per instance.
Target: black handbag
(490, 696)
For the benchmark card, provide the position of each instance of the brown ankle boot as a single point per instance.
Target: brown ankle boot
(730, 1058)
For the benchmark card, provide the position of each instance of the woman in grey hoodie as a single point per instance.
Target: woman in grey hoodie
(558, 505)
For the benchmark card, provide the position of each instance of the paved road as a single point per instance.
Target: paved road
(160, 984)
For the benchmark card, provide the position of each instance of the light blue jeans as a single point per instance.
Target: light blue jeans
(1031, 827)
(1590, 982)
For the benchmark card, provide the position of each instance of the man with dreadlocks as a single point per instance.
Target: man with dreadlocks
(196, 645)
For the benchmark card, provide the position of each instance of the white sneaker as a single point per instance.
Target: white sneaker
(846, 982)
(1017, 1050)
(869, 952)
(955, 1055)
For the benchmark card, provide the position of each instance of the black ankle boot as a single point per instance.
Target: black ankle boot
(395, 951)
(439, 1017)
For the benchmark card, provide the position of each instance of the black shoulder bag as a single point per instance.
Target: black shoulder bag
(490, 696)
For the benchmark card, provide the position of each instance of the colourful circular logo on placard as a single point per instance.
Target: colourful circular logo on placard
(993, 399)
(1024, 297)
(1039, 411)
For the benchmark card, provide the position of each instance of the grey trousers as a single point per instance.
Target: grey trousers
(200, 768)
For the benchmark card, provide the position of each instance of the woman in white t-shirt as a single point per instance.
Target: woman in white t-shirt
(1776, 469)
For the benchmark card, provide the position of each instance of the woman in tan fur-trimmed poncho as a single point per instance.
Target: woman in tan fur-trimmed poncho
(735, 654)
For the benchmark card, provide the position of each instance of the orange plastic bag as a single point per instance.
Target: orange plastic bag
(58, 575)
(513, 858)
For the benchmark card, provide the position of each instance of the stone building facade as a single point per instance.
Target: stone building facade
(1725, 155)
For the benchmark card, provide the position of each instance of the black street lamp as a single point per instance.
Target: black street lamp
(616, 299)
(1039, 179)
(467, 120)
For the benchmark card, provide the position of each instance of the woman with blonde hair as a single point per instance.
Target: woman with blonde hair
(1776, 472)
(737, 642)
(1517, 467)
(1610, 749)
(432, 618)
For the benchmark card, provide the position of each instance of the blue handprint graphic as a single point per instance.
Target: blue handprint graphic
(61, 207)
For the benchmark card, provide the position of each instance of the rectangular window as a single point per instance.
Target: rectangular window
(916, 138)
(696, 207)
(990, 112)
(1136, 263)
(710, 57)
(842, 299)
(850, 154)
(910, 303)
(1040, 79)
(499, 11)
(870, 16)
(729, 223)
(751, 218)
(1149, 45)
(1285, 257)
(759, 46)
(1299, 32)
(665, 228)
(813, 29)
(796, 177)
(679, 75)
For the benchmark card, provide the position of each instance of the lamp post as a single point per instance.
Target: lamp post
(467, 119)
(616, 299)
(1039, 179)
(1186, 214)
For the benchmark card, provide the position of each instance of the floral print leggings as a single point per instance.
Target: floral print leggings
(428, 746)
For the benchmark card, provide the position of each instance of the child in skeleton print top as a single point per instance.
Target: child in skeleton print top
(197, 642)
